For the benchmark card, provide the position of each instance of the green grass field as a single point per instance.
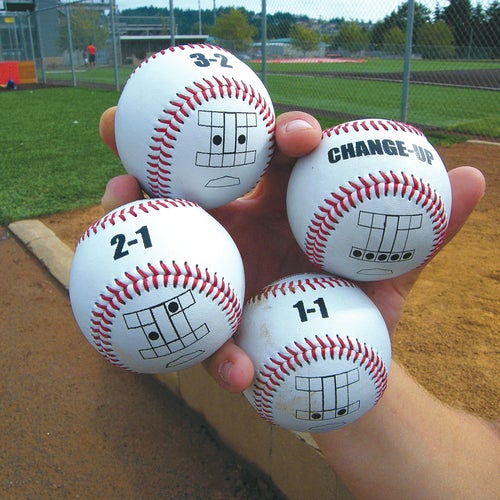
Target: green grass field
(52, 158)
(372, 65)
(455, 109)
(468, 111)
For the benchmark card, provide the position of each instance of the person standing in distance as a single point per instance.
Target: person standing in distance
(91, 52)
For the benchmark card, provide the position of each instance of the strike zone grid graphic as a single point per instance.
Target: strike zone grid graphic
(229, 139)
(166, 326)
(329, 396)
(388, 237)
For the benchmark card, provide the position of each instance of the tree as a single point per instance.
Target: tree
(233, 26)
(394, 41)
(492, 27)
(352, 37)
(458, 16)
(435, 41)
(86, 27)
(304, 38)
(398, 18)
(279, 25)
(478, 34)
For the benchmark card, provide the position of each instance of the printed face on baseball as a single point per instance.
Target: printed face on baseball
(371, 202)
(157, 285)
(195, 122)
(321, 352)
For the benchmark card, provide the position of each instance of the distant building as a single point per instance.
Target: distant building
(17, 5)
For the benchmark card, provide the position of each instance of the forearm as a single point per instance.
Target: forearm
(412, 446)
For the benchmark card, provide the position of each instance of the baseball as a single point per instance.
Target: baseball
(371, 202)
(321, 352)
(157, 285)
(195, 122)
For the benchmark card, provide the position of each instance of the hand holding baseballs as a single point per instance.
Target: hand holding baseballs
(259, 226)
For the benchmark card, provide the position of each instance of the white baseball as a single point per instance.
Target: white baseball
(321, 352)
(195, 122)
(157, 285)
(371, 202)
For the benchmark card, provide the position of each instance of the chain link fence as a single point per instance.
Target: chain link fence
(432, 63)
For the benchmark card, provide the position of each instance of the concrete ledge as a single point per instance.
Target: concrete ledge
(46, 246)
(486, 143)
(292, 460)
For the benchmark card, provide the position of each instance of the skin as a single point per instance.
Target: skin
(440, 452)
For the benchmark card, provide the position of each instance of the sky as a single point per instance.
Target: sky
(364, 10)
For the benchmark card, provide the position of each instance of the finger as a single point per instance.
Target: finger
(107, 128)
(119, 191)
(297, 134)
(230, 367)
(468, 187)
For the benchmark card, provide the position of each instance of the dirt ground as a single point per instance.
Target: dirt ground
(73, 426)
(448, 339)
(449, 336)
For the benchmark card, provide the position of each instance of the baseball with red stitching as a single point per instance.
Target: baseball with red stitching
(371, 202)
(321, 352)
(157, 285)
(195, 122)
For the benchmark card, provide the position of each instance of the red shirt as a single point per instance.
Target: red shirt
(91, 50)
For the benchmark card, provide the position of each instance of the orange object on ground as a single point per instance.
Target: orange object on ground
(19, 71)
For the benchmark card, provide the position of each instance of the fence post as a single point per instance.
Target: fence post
(40, 44)
(24, 54)
(114, 38)
(263, 44)
(70, 45)
(407, 60)
(172, 24)
(30, 34)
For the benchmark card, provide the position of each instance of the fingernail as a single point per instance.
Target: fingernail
(225, 371)
(296, 125)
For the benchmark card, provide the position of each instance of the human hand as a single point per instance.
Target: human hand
(259, 226)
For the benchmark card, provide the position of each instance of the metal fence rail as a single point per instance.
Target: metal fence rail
(420, 56)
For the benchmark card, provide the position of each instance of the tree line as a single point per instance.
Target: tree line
(456, 30)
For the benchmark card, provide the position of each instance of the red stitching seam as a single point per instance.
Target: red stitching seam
(386, 184)
(134, 211)
(146, 279)
(292, 286)
(366, 125)
(173, 118)
(269, 379)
